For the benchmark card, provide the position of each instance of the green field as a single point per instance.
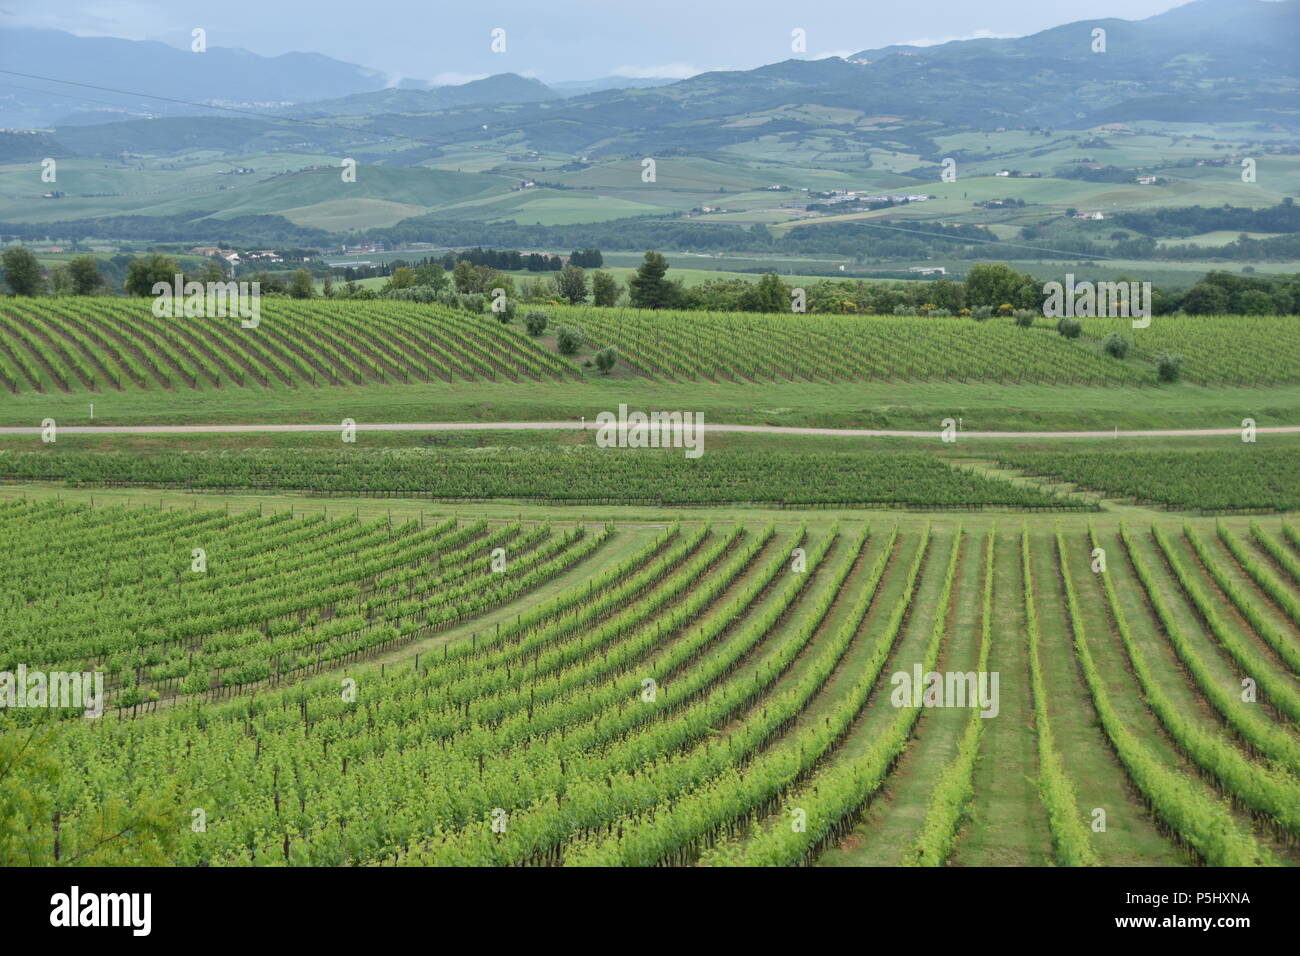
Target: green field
(471, 179)
(656, 660)
(515, 647)
(441, 569)
(111, 346)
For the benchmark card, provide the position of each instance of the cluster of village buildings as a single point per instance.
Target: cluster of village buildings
(836, 196)
(234, 258)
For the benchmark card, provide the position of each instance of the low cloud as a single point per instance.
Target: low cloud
(457, 79)
(977, 35)
(666, 71)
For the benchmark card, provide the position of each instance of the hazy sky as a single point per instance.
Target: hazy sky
(567, 39)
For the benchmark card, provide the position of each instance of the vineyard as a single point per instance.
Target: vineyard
(286, 597)
(1245, 478)
(521, 648)
(107, 345)
(691, 692)
(576, 475)
(1222, 350)
(104, 345)
(748, 347)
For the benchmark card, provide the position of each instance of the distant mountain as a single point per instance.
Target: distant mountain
(502, 88)
(1206, 61)
(221, 75)
(1209, 60)
(582, 87)
(1228, 37)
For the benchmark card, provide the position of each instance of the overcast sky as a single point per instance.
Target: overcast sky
(450, 42)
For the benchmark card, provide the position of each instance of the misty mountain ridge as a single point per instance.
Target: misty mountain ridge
(1207, 61)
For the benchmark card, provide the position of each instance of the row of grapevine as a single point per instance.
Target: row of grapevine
(1262, 734)
(1280, 689)
(580, 475)
(1286, 559)
(1203, 822)
(1244, 478)
(1266, 581)
(1259, 789)
(832, 798)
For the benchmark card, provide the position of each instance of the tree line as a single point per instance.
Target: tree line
(987, 287)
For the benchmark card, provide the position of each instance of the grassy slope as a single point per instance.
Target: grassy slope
(857, 405)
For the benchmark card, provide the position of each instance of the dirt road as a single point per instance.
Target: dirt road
(578, 425)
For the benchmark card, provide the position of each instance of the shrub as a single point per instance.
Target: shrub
(938, 313)
(1068, 327)
(535, 321)
(606, 358)
(1116, 345)
(568, 340)
(415, 293)
(1169, 367)
(1024, 318)
(905, 310)
(509, 308)
(981, 312)
(469, 301)
(1006, 308)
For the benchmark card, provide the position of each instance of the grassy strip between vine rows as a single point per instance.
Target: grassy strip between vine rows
(1069, 835)
(956, 785)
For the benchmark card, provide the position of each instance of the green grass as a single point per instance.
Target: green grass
(305, 196)
(865, 405)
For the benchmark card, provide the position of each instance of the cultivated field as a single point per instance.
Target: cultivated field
(673, 692)
(113, 345)
(515, 647)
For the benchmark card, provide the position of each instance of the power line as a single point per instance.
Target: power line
(265, 117)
